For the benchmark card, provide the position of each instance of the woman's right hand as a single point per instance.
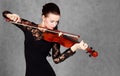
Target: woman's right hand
(14, 17)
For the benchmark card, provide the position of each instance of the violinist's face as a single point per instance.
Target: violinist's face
(51, 20)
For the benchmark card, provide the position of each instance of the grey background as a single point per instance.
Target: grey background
(96, 21)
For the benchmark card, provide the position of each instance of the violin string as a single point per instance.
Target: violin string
(57, 32)
(71, 38)
(71, 35)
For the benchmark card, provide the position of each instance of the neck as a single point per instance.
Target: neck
(41, 27)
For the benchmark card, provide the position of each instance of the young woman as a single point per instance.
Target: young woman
(36, 48)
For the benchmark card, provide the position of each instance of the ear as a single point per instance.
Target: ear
(43, 17)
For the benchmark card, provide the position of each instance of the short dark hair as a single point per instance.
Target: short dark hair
(50, 8)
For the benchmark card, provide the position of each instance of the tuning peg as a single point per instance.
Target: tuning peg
(95, 54)
(91, 48)
(93, 51)
(90, 55)
(87, 52)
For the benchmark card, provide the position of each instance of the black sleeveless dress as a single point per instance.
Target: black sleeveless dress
(37, 49)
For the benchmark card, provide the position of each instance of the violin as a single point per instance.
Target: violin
(66, 39)
(63, 38)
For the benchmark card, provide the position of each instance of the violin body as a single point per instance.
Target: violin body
(53, 37)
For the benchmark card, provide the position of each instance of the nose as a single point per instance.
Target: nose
(54, 24)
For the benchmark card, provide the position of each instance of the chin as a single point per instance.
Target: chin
(51, 28)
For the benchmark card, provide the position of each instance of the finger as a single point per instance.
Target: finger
(16, 18)
(12, 18)
(60, 33)
(19, 19)
(86, 45)
(9, 16)
(81, 43)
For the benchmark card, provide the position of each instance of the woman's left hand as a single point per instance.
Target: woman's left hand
(82, 45)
